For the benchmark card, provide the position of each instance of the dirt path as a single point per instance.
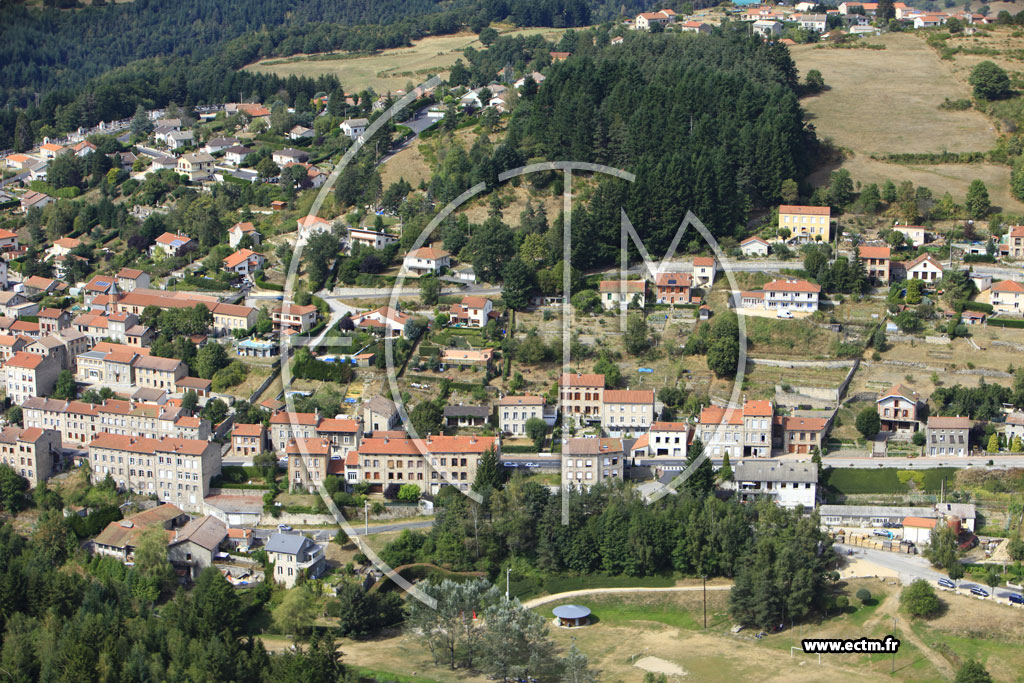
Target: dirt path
(536, 602)
(887, 611)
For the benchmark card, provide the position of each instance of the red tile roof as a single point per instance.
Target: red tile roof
(629, 396)
(631, 286)
(791, 286)
(875, 252)
(579, 380)
(805, 210)
(1011, 286)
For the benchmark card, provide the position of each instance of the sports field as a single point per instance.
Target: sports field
(388, 70)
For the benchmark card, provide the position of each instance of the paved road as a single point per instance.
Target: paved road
(385, 292)
(536, 602)
(14, 179)
(418, 123)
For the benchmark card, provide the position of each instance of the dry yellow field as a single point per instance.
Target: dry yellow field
(389, 70)
(885, 101)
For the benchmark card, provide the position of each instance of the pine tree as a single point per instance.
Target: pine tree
(993, 443)
(701, 481)
(490, 474)
(22, 134)
(725, 471)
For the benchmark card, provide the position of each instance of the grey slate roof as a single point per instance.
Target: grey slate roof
(776, 471)
(289, 544)
(468, 411)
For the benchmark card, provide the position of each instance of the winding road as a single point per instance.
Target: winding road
(544, 599)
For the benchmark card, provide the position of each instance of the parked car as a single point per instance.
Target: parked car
(1016, 598)
(783, 313)
(946, 583)
(283, 528)
(979, 591)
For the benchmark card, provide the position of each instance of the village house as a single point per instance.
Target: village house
(589, 461)
(787, 484)
(236, 155)
(514, 411)
(704, 269)
(767, 28)
(1007, 297)
(248, 440)
(239, 230)
(300, 133)
(673, 288)
(806, 223)
(466, 416)
(915, 235)
(31, 452)
(426, 261)
(308, 225)
(230, 317)
(287, 426)
(898, 410)
(307, 463)
(53, 320)
(119, 538)
(63, 246)
(948, 435)
(581, 396)
(244, 262)
(754, 246)
(14, 305)
(473, 311)
(380, 414)
(193, 547)
(294, 555)
(370, 238)
(799, 295)
(158, 373)
(801, 434)
(384, 320)
(197, 166)
(292, 318)
(342, 434)
(693, 27)
(353, 128)
(620, 294)
(876, 263)
(177, 471)
(811, 22)
(924, 268)
(130, 279)
(288, 155)
(169, 244)
(214, 145)
(627, 412)
(38, 286)
(430, 462)
(467, 357)
(1015, 242)
(668, 439)
(645, 20)
(32, 199)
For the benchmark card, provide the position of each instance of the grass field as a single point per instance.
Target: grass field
(388, 70)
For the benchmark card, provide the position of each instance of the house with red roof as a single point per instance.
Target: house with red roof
(308, 225)
(876, 263)
(898, 409)
(426, 261)
(791, 294)
(473, 311)
(627, 412)
(617, 295)
(704, 269)
(384, 320)
(581, 395)
(1007, 297)
(32, 452)
(645, 20)
(244, 262)
(801, 434)
(754, 246)
(744, 431)
(169, 244)
(924, 268)
(239, 230)
(673, 288)
(806, 223)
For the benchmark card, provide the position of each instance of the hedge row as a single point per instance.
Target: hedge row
(976, 306)
(1006, 322)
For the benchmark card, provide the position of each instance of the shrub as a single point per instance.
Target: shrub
(919, 600)
(863, 595)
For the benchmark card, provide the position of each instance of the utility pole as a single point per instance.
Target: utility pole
(508, 576)
(705, 580)
(893, 669)
(366, 518)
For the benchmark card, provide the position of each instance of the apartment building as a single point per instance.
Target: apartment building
(797, 295)
(898, 410)
(581, 396)
(158, 373)
(430, 462)
(948, 436)
(315, 454)
(589, 461)
(294, 318)
(342, 434)
(230, 317)
(737, 432)
(806, 223)
(514, 411)
(31, 452)
(626, 412)
(285, 426)
(79, 422)
(177, 471)
(248, 440)
(29, 375)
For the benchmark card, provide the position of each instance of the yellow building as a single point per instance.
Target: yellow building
(806, 223)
